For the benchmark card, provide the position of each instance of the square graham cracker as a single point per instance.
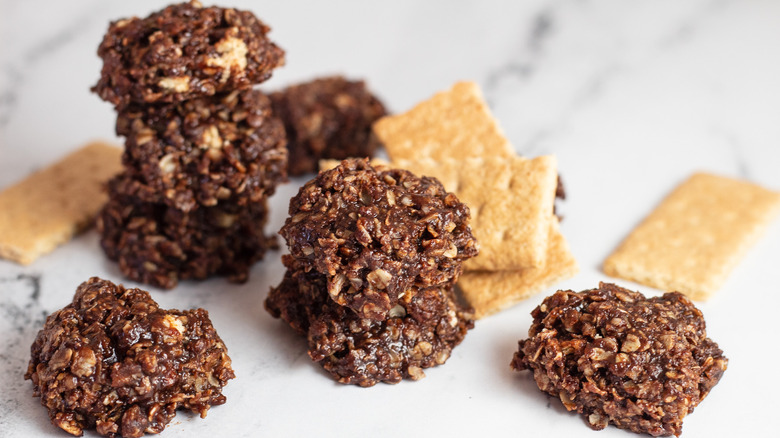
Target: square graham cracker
(489, 292)
(511, 203)
(696, 236)
(454, 123)
(50, 206)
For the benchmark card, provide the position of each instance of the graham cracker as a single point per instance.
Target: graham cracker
(492, 291)
(50, 206)
(696, 236)
(511, 202)
(454, 123)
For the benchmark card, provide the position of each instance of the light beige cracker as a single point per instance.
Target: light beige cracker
(511, 202)
(695, 237)
(452, 124)
(50, 206)
(492, 291)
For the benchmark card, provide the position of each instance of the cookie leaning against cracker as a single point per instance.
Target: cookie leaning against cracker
(488, 290)
(50, 206)
(696, 236)
(511, 202)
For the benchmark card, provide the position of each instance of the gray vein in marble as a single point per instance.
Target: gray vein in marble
(679, 35)
(56, 41)
(743, 169)
(736, 150)
(8, 96)
(686, 28)
(50, 43)
(17, 309)
(21, 316)
(540, 31)
(594, 87)
(522, 66)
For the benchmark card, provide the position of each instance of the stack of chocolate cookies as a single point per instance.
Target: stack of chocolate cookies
(374, 255)
(203, 151)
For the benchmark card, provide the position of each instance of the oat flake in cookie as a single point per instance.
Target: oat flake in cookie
(113, 361)
(614, 356)
(184, 51)
(378, 234)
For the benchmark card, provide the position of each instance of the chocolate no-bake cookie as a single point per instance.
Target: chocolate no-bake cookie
(614, 356)
(378, 234)
(184, 51)
(160, 245)
(203, 151)
(113, 361)
(419, 332)
(327, 118)
(227, 147)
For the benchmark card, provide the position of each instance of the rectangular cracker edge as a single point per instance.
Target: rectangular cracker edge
(491, 292)
(694, 238)
(50, 206)
(452, 123)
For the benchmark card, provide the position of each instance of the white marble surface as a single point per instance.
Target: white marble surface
(631, 96)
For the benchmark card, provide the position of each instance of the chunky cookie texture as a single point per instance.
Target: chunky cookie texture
(614, 356)
(225, 148)
(160, 245)
(419, 332)
(113, 361)
(327, 118)
(203, 151)
(378, 235)
(184, 51)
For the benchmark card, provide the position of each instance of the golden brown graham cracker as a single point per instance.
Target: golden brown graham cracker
(511, 203)
(696, 236)
(455, 123)
(492, 291)
(50, 206)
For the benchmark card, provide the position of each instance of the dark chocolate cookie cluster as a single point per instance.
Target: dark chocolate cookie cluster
(375, 254)
(203, 150)
(614, 356)
(182, 52)
(327, 118)
(113, 361)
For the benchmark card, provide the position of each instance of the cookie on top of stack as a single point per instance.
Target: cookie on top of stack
(374, 256)
(203, 150)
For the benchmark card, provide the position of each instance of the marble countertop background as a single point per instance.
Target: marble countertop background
(632, 97)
